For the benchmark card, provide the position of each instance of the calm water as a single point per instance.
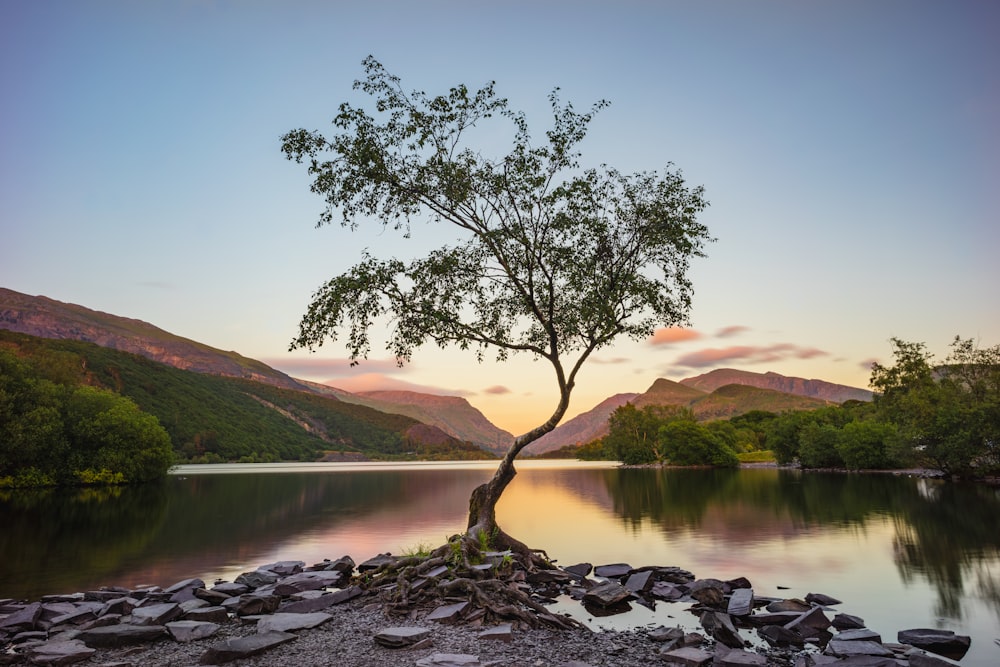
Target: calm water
(900, 552)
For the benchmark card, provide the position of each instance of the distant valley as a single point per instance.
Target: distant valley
(718, 394)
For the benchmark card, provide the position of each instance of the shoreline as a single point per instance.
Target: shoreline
(324, 617)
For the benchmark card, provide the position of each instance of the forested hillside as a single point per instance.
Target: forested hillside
(212, 419)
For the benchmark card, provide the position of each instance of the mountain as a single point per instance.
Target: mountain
(48, 318)
(452, 414)
(579, 430)
(827, 391)
(719, 402)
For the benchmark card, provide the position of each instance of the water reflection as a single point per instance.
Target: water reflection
(903, 551)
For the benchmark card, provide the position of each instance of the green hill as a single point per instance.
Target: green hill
(214, 418)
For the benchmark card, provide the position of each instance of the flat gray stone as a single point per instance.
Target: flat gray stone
(721, 627)
(823, 600)
(741, 602)
(156, 614)
(640, 582)
(284, 622)
(739, 658)
(322, 602)
(397, 637)
(687, 657)
(859, 634)
(123, 634)
(942, 642)
(60, 652)
(189, 631)
(23, 619)
(607, 594)
(846, 649)
(848, 622)
(613, 571)
(243, 647)
(449, 613)
(208, 615)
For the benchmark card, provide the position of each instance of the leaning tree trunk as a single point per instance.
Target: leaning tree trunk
(483, 525)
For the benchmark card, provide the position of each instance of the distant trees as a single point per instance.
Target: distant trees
(57, 434)
(945, 416)
(654, 434)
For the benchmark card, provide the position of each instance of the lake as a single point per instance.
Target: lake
(901, 552)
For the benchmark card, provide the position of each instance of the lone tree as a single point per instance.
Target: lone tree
(549, 258)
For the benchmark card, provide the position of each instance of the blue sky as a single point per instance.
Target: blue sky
(850, 152)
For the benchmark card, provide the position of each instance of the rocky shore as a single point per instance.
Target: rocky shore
(339, 613)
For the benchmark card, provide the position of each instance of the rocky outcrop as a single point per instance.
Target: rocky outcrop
(827, 391)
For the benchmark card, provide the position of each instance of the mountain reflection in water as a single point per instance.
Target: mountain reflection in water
(900, 551)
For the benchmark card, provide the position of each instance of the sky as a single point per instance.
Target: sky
(850, 150)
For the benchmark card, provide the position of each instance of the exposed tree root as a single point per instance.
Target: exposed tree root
(490, 575)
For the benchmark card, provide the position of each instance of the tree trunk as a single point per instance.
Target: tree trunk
(484, 498)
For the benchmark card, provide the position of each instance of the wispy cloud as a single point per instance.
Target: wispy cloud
(867, 363)
(730, 331)
(750, 354)
(609, 361)
(381, 382)
(497, 389)
(671, 335)
(310, 368)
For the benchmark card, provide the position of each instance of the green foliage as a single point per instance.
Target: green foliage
(209, 419)
(759, 456)
(685, 442)
(551, 259)
(54, 434)
(947, 416)
(818, 446)
(632, 433)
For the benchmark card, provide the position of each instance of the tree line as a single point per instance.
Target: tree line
(942, 416)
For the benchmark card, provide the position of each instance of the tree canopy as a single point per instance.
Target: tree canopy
(549, 258)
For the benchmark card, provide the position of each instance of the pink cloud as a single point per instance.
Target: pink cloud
(671, 335)
(497, 389)
(867, 363)
(317, 367)
(750, 354)
(380, 382)
(611, 361)
(734, 330)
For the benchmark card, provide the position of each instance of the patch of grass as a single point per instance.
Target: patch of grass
(419, 550)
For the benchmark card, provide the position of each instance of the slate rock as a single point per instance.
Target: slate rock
(848, 622)
(674, 575)
(942, 642)
(579, 570)
(737, 583)
(607, 594)
(231, 589)
(778, 635)
(640, 582)
(243, 647)
(398, 637)
(215, 597)
(60, 652)
(344, 565)
(156, 614)
(687, 657)
(814, 619)
(208, 615)
(859, 634)
(665, 634)
(772, 618)
(449, 613)
(791, 604)
(250, 605)
(256, 579)
(284, 568)
(23, 619)
(187, 631)
(920, 659)
(741, 602)
(739, 658)
(184, 590)
(710, 592)
(281, 622)
(322, 602)
(720, 627)
(823, 600)
(123, 634)
(613, 571)
(123, 606)
(846, 649)
(667, 591)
